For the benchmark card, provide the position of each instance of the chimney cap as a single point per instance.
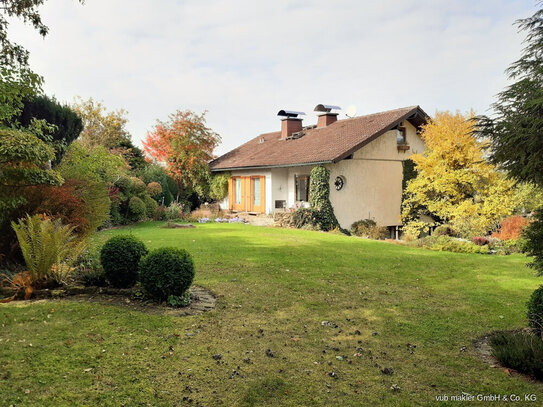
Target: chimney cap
(289, 113)
(326, 108)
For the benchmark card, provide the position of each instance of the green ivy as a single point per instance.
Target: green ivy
(409, 172)
(319, 197)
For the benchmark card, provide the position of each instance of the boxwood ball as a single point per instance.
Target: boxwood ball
(166, 271)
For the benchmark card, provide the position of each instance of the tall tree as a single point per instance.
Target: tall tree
(516, 128)
(100, 126)
(185, 144)
(67, 124)
(454, 183)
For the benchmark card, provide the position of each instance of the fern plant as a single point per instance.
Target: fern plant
(49, 248)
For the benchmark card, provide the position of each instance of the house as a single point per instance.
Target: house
(364, 155)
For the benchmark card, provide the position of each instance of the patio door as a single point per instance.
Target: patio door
(247, 194)
(258, 191)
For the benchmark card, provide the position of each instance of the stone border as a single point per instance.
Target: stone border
(202, 300)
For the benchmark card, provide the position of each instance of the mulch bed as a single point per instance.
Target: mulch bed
(202, 300)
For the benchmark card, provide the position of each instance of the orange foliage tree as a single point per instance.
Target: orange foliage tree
(511, 227)
(185, 144)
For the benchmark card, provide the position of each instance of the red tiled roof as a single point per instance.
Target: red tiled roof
(318, 145)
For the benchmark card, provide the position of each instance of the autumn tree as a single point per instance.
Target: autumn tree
(454, 182)
(185, 145)
(100, 126)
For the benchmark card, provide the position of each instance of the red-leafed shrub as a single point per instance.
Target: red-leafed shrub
(511, 228)
(60, 202)
(82, 204)
(480, 240)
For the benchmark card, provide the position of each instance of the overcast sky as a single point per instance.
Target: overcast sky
(243, 61)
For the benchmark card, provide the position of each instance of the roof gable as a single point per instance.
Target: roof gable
(318, 145)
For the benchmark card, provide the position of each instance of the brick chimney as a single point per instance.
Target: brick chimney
(290, 122)
(325, 114)
(326, 119)
(290, 125)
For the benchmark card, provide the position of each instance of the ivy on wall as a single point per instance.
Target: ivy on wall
(319, 198)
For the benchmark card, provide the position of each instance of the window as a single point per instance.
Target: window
(256, 189)
(238, 191)
(302, 187)
(401, 136)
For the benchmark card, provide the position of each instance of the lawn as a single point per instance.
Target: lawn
(412, 311)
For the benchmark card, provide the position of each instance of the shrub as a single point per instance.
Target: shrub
(137, 208)
(166, 272)
(511, 228)
(174, 211)
(449, 244)
(137, 185)
(535, 311)
(480, 241)
(160, 213)
(368, 228)
(154, 189)
(306, 217)
(533, 235)
(49, 248)
(89, 271)
(151, 206)
(520, 351)
(120, 257)
(444, 230)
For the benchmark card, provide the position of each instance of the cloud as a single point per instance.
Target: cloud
(242, 61)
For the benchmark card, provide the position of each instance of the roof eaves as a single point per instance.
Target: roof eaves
(256, 167)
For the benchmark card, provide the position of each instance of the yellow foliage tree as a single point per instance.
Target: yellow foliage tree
(455, 184)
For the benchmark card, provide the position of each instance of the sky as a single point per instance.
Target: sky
(243, 61)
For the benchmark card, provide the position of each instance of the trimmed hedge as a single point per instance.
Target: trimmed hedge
(166, 272)
(120, 257)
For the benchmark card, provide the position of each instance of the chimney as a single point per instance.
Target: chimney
(325, 119)
(290, 122)
(325, 114)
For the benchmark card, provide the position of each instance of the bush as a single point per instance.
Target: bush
(511, 228)
(151, 206)
(368, 228)
(89, 271)
(449, 244)
(480, 241)
(174, 211)
(520, 351)
(137, 185)
(120, 257)
(444, 230)
(306, 218)
(535, 311)
(137, 208)
(166, 272)
(154, 189)
(160, 213)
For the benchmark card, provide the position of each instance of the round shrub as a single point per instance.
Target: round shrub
(165, 272)
(137, 208)
(151, 206)
(154, 189)
(535, 311)
(120, 257)
(137, 185)
(306, 217)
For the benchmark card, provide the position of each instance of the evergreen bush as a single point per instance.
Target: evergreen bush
(319, 198)
(535, 311)
(166, 272)
(120, 257)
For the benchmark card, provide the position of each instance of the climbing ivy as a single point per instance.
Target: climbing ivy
(319, 198)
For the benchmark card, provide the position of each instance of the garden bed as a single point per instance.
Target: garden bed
(202, 300)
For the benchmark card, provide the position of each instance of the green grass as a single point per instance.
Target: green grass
(415, 311)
